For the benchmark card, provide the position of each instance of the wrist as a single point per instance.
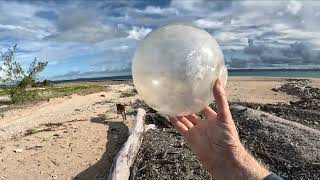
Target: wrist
(237, 164)
(249, 166)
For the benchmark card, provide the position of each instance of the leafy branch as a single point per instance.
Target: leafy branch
(16, 78)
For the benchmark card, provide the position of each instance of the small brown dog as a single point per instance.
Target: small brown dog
(121, 109)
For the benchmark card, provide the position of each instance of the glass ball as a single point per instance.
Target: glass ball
(174, 69)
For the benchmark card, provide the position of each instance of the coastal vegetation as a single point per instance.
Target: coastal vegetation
(22, 86)
(15, 79)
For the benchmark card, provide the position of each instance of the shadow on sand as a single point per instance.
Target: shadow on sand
(117, 134)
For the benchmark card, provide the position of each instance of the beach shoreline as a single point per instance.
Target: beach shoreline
(77, 136)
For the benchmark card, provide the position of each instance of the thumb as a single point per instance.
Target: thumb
(221, 100)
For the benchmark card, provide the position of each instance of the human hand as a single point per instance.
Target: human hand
(215, 141)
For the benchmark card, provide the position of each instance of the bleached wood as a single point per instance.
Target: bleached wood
(269, 120)
(120, 169)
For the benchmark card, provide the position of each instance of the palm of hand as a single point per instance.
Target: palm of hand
(211, 138)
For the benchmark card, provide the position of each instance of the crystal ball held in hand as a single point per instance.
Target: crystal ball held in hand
(174, 69)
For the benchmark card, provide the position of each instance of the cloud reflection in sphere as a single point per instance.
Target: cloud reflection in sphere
(175, 67)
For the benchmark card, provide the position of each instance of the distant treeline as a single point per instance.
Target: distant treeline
(118, 78)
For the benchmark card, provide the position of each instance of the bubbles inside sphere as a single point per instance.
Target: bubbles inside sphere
(175, 67)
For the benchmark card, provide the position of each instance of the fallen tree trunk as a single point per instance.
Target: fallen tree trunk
(300, 138)
(120, 169)
(272, 120)
(5, 99)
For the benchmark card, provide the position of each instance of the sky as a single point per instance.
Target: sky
(97, 38)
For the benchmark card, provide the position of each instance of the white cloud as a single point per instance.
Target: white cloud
(120, 48)
(188, 5)
(83, 25)
(225, 36)
(19, 20)
(105, 33)
(86, 34)
(13, 27)
(280, 26)
(205, 23)
(158, 10)
(138, 32)
(294, 7)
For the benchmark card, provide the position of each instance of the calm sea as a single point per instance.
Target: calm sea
(315, 73)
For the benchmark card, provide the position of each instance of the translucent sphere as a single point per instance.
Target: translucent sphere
(175, 67)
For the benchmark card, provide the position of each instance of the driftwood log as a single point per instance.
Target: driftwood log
(5, 99)
(269, 120)
(120, 169)
(305, 139)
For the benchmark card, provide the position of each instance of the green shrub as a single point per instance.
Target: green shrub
(17, 79)
(46, 83)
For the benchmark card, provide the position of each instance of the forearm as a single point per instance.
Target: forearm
(239, 164)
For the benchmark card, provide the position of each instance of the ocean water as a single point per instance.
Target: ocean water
(291, 73)
(304, 73)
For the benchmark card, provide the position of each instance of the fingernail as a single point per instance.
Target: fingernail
(218, 82)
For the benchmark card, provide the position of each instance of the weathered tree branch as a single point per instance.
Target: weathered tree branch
(120, 169)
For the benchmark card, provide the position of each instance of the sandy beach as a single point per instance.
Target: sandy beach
(77, 137)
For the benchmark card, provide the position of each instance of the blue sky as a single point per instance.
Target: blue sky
(98, 38)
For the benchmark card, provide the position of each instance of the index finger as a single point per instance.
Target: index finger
(180, 127)
(221, 99)
(210, 113)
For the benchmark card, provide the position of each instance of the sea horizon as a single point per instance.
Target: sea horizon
(290, 73)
